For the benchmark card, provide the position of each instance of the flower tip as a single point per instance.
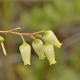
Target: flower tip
(27, 64)
(59, 45)
(52, 62)
(42, 58)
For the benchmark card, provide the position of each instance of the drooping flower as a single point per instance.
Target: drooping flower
(25, 50)
(51, 38)
(37, 45)
(49, 52)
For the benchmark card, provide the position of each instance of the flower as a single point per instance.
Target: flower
(37, 45)
(25, 50)
(49, 52)
(1, 39)
(51, 38)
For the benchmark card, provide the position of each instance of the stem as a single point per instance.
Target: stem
(17, 33)
(14, 29)
(3, 49)
(41, 37)
(22, 39)
(3, 31)
(32, 37)
(39, 32)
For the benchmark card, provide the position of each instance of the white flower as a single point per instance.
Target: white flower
(51, 38)
(25, 50)
(38, 48)
(49, 52)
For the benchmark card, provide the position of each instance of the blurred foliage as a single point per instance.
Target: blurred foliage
(41, 70)
(51, 15)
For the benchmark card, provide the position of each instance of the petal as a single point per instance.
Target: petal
(51, 38)
(38, 48)
(25, 53)
(49, 52)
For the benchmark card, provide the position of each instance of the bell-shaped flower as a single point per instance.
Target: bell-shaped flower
(25, 50)
(37, 45)
(51, 38)
(49, 52)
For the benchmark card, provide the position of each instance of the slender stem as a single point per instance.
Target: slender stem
(41, 37)
(4, 31)
(41, 31)
(3, 49)
(32, 37)
(38, 32)
(15, 29)
(17, 33)
(23, 39)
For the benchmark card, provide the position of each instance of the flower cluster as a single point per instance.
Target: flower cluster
(41, 50)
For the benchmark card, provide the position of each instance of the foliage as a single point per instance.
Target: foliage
(57, 13)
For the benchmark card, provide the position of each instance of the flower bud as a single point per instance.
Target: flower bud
(51, 38)
(1, 39)
(25, 50)
(37, 45)
(49, 52)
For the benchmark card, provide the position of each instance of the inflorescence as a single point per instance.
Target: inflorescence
(41, 50)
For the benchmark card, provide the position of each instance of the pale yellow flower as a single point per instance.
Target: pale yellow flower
(25, 50)
(49, 52)
(51, 38)
(37, 45)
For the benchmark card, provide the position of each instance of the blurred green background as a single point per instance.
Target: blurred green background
(60, 16)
